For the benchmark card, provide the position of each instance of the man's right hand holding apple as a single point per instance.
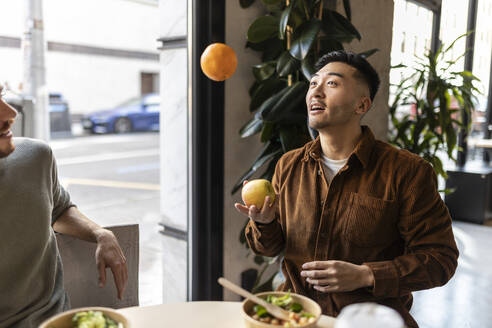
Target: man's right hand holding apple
(263, 215)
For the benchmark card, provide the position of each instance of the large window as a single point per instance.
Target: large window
(413, 36)
(481, 64)
(94, 79)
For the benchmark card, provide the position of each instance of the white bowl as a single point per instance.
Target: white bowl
(64, 319)
(308, 305)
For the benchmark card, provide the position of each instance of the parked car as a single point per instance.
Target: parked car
(136, 114)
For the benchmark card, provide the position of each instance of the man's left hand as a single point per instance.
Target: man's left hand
(337, 276)
(109, 254)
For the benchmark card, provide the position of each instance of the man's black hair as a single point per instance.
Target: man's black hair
(365, 71)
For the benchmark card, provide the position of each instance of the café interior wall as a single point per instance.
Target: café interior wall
(239, 153)
(374, 22)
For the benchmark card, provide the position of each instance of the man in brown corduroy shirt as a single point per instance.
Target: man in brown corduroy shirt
(357, 219)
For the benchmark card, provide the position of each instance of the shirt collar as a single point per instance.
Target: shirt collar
(362, 150)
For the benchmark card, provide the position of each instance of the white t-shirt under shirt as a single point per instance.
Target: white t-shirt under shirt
(332, 166)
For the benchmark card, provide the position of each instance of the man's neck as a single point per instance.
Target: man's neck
(339, 142)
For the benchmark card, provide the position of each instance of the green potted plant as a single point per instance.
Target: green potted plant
(424, 118)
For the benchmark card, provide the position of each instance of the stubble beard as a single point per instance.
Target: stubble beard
(318, 125)
(6, 151)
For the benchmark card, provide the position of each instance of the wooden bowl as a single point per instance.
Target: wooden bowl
(308, 305)
(64, 319)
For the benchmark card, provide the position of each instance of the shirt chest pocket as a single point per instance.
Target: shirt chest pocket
(370, 221)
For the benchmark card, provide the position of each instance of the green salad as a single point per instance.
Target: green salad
(298, 317)
(94, 319)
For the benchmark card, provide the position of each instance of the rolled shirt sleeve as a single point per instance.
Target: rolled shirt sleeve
(430, 258)
(267, 239)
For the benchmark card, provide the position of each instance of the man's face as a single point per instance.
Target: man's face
(334, 97)
(7, 117)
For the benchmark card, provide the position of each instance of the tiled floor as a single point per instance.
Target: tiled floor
(465, 302)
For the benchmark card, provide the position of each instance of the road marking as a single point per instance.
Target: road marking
(138, 168)
(113, 202)
(108, 157)
(110, 184)
(61, 144)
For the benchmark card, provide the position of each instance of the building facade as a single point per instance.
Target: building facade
(99, 52)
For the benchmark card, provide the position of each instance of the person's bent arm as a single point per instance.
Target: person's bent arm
(430, 258)
(67, 219)
(264, 232)
(108, 253)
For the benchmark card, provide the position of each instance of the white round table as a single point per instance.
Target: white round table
(195, 314)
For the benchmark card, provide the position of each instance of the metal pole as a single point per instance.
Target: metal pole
(487, 129)
(470, 44)
(436, 26)
(34, 79)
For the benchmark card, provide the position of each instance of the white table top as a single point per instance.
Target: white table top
(195, 314)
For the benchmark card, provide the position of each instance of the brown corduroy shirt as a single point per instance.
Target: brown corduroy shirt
(382, 209)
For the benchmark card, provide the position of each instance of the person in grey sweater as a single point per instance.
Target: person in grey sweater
(33, 205)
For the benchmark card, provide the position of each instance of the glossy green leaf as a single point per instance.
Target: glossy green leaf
(254, 87)
(271, 2)
(348, 11)
(399, 66)
(264, 71)
(269, 172)
(267, 131)
(327, 45)
(296, 19)
(258, 46)
(271, 150)
(292, 98)
(284, 20)
(273, 49)
(294, 117)
(286, 64)
(307, 67)
(267, 106)
(303, 7)
(252, 127)
(338, 27)
(304, 37)
(455, 40)
(368, 53)
(263, 28)
(265, 91)
(246, 3)
(451, 137)
(289, 137)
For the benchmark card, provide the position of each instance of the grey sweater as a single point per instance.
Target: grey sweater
(31, 199)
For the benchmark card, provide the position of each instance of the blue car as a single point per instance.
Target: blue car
(136, 114)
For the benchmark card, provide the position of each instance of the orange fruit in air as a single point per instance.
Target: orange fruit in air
(218, 61)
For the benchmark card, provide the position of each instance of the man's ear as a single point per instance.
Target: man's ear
(363, 105)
